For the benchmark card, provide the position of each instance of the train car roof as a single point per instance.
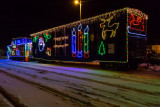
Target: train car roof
(133, 11)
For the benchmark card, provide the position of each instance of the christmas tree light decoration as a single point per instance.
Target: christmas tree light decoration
(79, 52)
(86, 42)
(73, 42)
(48, 52)
(136, 23)
(109, 28)
(47, 36)
(41, 44)
(102, 50)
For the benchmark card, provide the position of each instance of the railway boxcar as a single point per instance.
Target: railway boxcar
(117, 38)
(20, 49)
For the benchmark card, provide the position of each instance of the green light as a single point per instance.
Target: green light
(47, 37)
(35, 38)
(101, 50)
(86, 43)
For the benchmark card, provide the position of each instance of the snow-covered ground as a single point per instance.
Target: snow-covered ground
(88, 86)
(4, 102)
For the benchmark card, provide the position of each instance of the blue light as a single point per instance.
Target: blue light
(86, 29)
(8, 55)
(135, 33)
(41, 44)
(18, 52)
(80, 27)
(79, 54)
(18, 41)
(73, 41)
(137, 36)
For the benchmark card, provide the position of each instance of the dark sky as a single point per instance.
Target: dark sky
(21, 18)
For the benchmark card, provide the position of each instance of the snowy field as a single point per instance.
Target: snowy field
(44, 85)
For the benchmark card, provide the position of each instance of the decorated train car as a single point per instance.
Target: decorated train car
(20, 49)
(116, 38)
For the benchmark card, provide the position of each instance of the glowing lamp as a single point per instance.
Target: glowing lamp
(76, 2)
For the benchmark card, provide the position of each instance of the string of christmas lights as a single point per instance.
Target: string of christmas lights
(133, 11)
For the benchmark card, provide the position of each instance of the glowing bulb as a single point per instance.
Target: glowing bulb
(76, 2)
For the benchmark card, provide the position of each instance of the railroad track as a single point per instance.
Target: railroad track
(74, 88)
(93, 74)
(9, 100)
(92, 80)
(42, 87)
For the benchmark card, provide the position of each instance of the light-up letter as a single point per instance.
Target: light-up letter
(73, 41)
(86, 42)
(109, 28)
(79, 52)
(41, 44)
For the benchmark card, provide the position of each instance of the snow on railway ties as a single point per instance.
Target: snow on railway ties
(5, 101)
(80, 72)
(82, 88)
(57, 93)
(89, 79)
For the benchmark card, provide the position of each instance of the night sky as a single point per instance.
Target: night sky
(22, 18)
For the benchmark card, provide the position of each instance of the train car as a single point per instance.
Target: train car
(20, 49)
(116, 38)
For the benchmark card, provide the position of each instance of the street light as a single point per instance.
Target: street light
(76, 2)
(80, 3)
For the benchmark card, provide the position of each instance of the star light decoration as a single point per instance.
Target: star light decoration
(94, 19)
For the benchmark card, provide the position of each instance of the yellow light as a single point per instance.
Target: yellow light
(76, 2)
